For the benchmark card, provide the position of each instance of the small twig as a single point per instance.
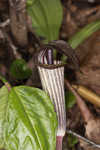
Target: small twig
(6, 37)
(5, 82)
(81, 104)
(5, 23)
(83, 138)
(14, 48)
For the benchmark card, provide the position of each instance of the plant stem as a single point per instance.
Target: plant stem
(59, 140)
(5, 82)
(81, 104)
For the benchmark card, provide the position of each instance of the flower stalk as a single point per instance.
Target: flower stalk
(59, 140)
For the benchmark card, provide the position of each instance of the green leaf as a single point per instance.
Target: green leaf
(30, 3)
(30, 121)
(19, 69)
(82, 35)
(46, 17)
(70, 99)
(72, 140)
(3, 109)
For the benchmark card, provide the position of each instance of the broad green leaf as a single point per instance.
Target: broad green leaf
(3, 109)
(30, 121)
(70, 99)
(46, 17)
(19, 69)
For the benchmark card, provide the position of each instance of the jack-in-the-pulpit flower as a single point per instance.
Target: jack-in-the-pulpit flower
(52, 79)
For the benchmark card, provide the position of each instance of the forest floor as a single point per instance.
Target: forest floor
(77, 14)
